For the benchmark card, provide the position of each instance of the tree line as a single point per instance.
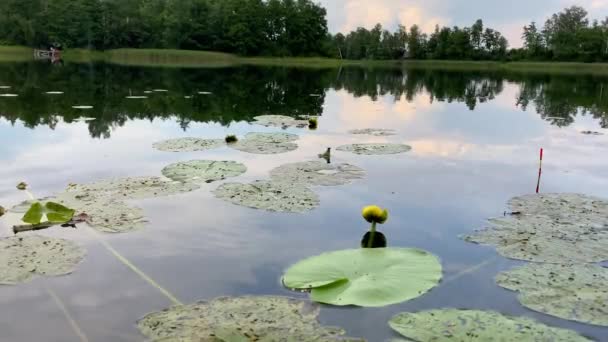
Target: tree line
(283, 28)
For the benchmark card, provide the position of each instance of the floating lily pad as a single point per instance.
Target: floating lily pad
(317, 173)
(82, 107)
(374, 149)
(266, 143)
(55, 213)
(473, 325)
(281, 121)
(203, 171)
(379, 132)
(23, 257)
(572, 292)
(9, 95)
(54, 93)
(188, 144)
(240, 319)
(271, 196)
(366, 277)
(552, 228)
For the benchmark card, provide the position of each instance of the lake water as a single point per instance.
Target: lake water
(476, 138)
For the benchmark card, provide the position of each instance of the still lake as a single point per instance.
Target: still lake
(475, 136)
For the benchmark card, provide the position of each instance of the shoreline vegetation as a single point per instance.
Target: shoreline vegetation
(208, 59)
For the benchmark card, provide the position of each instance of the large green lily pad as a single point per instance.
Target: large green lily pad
(281, 121)
(378, 132)
(271, 196)
(54, 212)
(366, 277)
(553, 228)
(240, 319)
(203, 171)
(572, 292)
(375, 149)
(188, 145)
(266, 143)
(317, 173)
(451, 325)
(21, 258)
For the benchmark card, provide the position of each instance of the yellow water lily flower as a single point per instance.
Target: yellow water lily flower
(375, 214)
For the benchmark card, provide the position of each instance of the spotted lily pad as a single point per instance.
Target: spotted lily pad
(240, 319)
(281, 121)
(378, 132)
(23, 257)
(266, 143)
(451, 325)
(572, 292)
(317, 173)
(366, 277)
(188, 145)
(203, 171)
(271, 196)
(375, 149)
(552, 228)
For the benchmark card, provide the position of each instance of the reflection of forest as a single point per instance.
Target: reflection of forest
(242, 93)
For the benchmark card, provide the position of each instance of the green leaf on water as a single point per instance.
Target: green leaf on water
(34, 214)
(366, 277)
(55, 213)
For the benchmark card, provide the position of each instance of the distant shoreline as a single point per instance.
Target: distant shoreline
(207, 59)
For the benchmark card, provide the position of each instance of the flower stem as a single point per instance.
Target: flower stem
(370, 242)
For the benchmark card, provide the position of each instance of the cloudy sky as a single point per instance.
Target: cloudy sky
(508, 16)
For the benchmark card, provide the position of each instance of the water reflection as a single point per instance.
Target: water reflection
(238, 94)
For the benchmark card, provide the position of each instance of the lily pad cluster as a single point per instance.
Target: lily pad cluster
(280, 121)
(203, 171)
(375, 148)
(241, 319)
(473, 325)
(573, 292)
(378, 132)
(258, 143)
(288, 189)
(366, 277)
(21, 258)
(553, 228)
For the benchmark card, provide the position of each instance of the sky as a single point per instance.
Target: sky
(507, 16)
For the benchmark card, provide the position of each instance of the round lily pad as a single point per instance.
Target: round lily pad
(572, 292)
(203, 171)
(240, 319)
(266, 143)
(281, 121)
(378, 132)
(366, 277)
(271, 196)
(317, 173)
(132, 188)
(21, 258)
(552, 228)
(375, 149)
(472, 325)
(188, 145)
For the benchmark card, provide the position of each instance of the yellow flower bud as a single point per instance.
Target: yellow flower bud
(375, 214)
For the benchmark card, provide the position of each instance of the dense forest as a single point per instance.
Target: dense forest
(283, 28)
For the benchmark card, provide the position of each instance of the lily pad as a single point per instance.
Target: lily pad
(378, 132)
(23, 257)
(317, 173)
(375, 149)
(203, 171)
(280, 121)
(267, 143)
(451, 325)
(366, 277)
(132, 188)
(552, 228)
(188, 144)
(240, 319)
(271, 196)
(572, 292)
(55, 213)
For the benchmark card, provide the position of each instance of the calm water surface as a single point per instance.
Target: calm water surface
(475, 138)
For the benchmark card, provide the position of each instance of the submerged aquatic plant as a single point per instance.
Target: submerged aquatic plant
(374, 215)
(231, 139)
(313, 123)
